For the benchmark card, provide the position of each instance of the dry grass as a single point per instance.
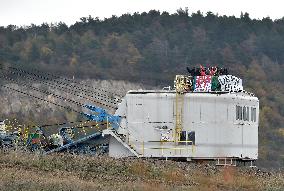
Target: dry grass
(22, 171)
(228, 178)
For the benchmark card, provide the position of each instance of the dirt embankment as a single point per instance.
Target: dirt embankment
(28, 109)
(22, 171)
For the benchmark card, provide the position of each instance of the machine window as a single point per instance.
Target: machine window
(182, 138)
(239, 113)
(253, 114)
(244, 113)
(191, 137)
(247, 117)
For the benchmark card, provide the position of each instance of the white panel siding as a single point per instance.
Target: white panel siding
(211, 116)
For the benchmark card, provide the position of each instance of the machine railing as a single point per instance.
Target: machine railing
(141, 146)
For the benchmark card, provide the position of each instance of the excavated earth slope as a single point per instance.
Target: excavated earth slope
(30, 110)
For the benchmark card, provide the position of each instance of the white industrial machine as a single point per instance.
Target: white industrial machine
(206, 116)
(191, 122)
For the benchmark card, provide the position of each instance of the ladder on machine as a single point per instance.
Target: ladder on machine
(181, 87)
(179, 118)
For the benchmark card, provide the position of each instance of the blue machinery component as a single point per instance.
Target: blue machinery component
(81, 143)
(101, 115)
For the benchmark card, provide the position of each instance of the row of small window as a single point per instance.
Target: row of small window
(246, 113)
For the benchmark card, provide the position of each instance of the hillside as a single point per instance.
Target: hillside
(28, 110)
(151, 48)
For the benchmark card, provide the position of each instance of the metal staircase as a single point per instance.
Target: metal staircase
(119, 138)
